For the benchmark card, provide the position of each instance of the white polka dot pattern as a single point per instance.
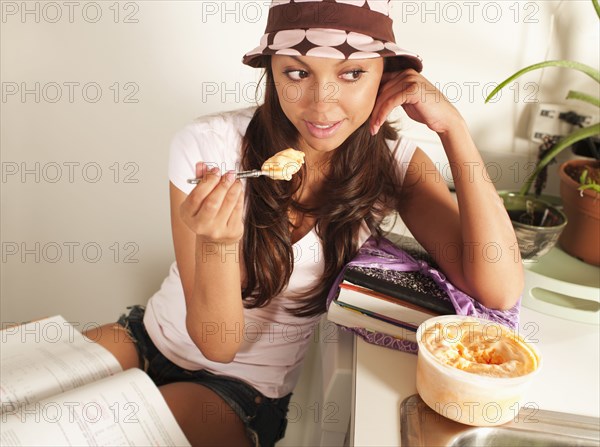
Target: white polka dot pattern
(263, 44)
(364, 43)
(363, 55)
(381, 6)
(278, 2)
(321, 41)
(314, 40)
(287, 38)
(395, 48)
(326, 37)
(288, 52)
(329, 52)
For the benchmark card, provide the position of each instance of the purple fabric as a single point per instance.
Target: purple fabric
(386, 255)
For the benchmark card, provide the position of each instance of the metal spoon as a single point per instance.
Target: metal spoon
(238, 175)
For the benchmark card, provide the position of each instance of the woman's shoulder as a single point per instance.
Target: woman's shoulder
(402, 147)
(222, 123)
(215, 139)
(214, 134)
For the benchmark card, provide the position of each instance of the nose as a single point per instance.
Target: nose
(323, 94)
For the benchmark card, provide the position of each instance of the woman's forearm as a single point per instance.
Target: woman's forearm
(215, 318)
(491, 260)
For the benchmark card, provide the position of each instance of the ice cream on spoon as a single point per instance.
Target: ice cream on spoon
(284, 164)
(281, 166)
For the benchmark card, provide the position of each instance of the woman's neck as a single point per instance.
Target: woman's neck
(316, 163)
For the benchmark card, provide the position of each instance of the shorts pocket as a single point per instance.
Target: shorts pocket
(161, 370)
(270, 420)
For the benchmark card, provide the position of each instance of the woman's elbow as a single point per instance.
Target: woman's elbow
(213, 345)
(501, 290)
(218, 355)
(503, 296)
(505, 302)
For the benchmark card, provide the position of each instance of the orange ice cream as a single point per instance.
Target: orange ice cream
(473, 371)
(484, 349)
(284, 164)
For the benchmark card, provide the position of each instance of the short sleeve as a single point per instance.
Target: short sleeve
(183, 155)
(403, 150)
(215, 140)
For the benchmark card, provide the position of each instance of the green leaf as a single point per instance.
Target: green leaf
(590, 71)
(563, 143)
(573, 94)
(587, 183)
(583, 176)
(597, 7)
(593, 187)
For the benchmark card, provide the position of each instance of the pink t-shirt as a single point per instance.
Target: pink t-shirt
(274, 341)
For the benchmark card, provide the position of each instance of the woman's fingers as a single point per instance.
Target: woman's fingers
(233, 190)
(236, 216)
(209, 178)
(213, 202)
(410, 90)
(201, 169)
(208, 208)
(229, 219)
(390, 96)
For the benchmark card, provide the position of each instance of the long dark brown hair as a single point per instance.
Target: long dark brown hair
(361, 184)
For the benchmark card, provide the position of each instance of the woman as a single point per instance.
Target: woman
(225, 336)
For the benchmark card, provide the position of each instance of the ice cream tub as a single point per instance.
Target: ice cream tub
(472, 370)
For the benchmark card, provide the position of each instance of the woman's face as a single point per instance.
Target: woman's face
(326, 99)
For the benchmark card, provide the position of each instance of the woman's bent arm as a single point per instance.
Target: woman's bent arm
(473, 241)
(207, 226)
(471, 238)
(491, 257)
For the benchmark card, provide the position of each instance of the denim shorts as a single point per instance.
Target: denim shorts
(264, 418)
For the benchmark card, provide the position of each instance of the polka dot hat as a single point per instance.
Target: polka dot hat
(338, 29)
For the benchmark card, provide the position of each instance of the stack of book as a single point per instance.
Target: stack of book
(388, 301)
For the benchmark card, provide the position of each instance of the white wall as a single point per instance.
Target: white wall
(82, 172)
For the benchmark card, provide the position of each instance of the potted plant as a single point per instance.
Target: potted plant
(579, 178)
(580, 193)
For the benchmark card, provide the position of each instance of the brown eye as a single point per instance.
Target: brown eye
(353, 75)
(297, 75)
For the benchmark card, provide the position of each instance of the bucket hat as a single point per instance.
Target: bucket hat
(338, 29)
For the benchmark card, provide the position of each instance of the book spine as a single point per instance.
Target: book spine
(384, 318)
(429, 302)
(382, 296)
(351, 318)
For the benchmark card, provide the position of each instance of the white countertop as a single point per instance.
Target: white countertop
(568, 381)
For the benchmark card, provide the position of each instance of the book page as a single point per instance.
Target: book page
(372, 303)
(47, 357)
(355, 319)
(124, 409)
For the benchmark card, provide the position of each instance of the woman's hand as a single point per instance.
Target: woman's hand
(213, 210)
(421, 100)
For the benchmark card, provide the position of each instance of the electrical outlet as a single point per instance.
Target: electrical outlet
(545, 120)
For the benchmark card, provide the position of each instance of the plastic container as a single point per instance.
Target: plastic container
(467, 397)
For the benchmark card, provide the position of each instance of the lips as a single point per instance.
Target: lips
(323, 129)
(323, 126)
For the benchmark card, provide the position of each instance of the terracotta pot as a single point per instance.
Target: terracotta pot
(581, 236)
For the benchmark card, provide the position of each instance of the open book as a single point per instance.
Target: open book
(59, 388)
